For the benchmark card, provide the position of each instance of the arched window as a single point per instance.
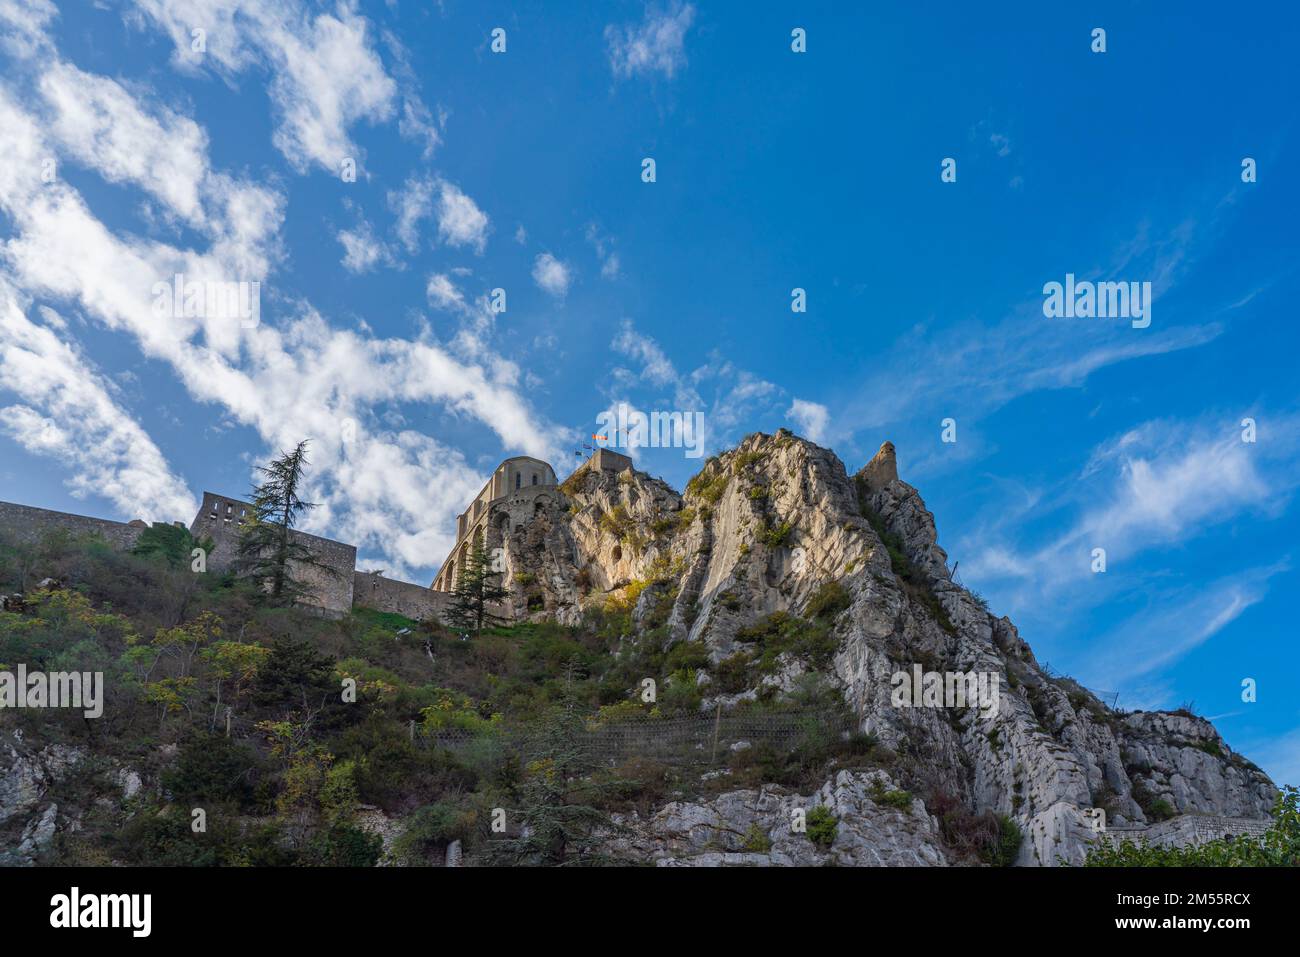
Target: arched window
(534, 478)
(518, 479)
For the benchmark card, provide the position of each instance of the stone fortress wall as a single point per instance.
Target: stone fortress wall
(372, 590)
(521, 477)
(1187, 829)
(28, 524)
(222, 518)
(520, 488)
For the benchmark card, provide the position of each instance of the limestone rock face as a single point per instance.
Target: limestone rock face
(757, 828)
(764, 528)
(27, 815)
(29, 776)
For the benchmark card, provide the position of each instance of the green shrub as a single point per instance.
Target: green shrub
(828, 601)
(1004, 851)
(743, 460)
(774, 536)
(211, 768)
(756, 840)
(707, 485)
(344, 845)
(901, 800)
(822, 826)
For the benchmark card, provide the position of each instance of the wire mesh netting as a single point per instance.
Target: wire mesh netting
(707, 738)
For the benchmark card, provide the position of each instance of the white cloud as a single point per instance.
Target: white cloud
(657, 367)
(69, 414)
(1167, 480)
(1158, 485)
(460, 221)
(656, 44)
(362, 251)
(292, 376)
(99, 123)
(604, 246)
(738, 395)
(1179, 622)
(443, 294)
(811, 418)
(412, 203)
(551, 275)
(325, 75)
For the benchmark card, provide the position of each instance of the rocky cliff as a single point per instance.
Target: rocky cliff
(776, 529)
(775, 574)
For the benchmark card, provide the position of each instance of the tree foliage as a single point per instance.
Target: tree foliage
(269, 553)
(554, 823)
(476, 590)
(1279, 847)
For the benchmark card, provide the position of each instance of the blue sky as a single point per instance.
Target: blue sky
(521, 171)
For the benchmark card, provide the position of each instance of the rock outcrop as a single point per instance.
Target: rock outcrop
(768, 527)
(768, 827)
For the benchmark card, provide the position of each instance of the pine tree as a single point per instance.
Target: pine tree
(268, 550)
(556, 824)
(475, 590)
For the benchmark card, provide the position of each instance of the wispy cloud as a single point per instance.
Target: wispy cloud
(655, 45)
(1153, 486)
(1181, 621)
(737, 394)
(325, 73)
(69, 413)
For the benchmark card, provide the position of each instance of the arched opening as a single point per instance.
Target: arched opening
(618, 553)
(518, 479)
(535, 478)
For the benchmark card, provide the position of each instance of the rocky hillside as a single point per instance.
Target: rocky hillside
(778, 594)
(776, 530)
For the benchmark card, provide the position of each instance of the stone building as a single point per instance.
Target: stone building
(516, 488)
(520, 489)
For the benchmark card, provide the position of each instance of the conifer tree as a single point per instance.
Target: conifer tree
(476, 589)
(268, 551)
(556, 817)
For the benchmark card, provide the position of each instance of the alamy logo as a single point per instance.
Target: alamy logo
(947, 689)
(630, 428)
(1101, 300)
(208, 299)
(103, 910)
(55, 689)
